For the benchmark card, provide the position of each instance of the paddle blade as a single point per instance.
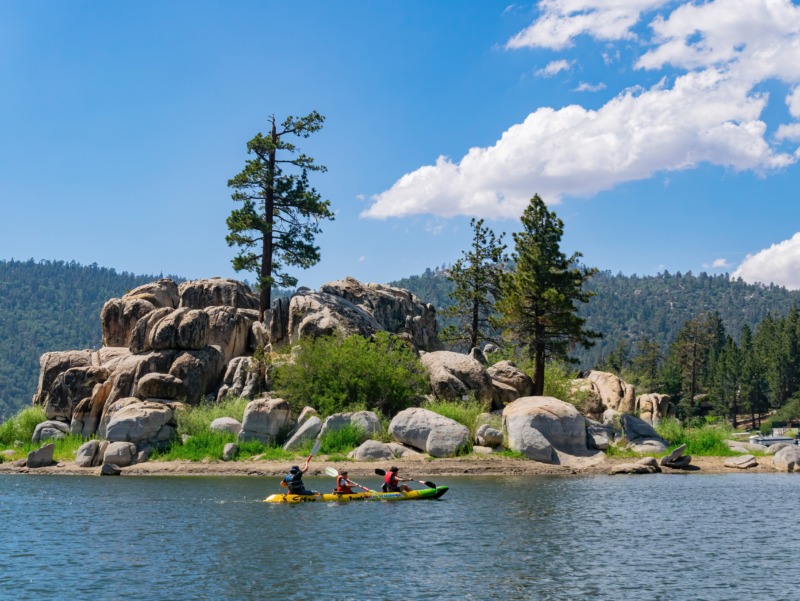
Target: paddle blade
(379, 471)
(429, 484)
(331, 471)
(315, 448)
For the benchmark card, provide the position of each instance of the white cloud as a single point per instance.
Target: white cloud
(563, 20)
(587, 87)
(789, 132)
(720, 263)
(793, 102)
(779, 264)
(554, 68)
(709, 114)
(704, 117)
(362, 258)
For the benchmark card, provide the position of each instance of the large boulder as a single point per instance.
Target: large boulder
(427, 431)
(49, 430)
(308, 430)
(119, 317)
(264, 420)
(87, 454)
(160, 386)
(161, 293)
(372, 450)
(141, 422)
(229, 330)
(350, 307)
(121, 454)
(143, 330)
(132, 368)
(216, 292)
(41, 457)
(509, 381)
(226, 424)
(366, 421)
(541, 427)
(69, 388)
(598, 436)
(200, 371)
(653, 407)
(87, 413)
(615, 393)
(241, 379)
(642, 437)
(53, 364)
(181, 329)
(586, 395)
(455, 375)
(787, 459)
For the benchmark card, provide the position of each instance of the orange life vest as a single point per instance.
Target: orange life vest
(342, 486)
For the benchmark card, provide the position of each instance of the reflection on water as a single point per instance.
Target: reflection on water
(621, 537)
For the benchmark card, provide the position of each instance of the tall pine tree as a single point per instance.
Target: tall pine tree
(539, 296)
(476, 277)
(281, 212)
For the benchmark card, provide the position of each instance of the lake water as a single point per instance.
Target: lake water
(623, 537)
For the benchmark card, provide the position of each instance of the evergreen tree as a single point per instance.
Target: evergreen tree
(753, 380)
(539, 295)
(281, 212)
(476, 280)
(726, 380)
(691, 351)
(646, 364)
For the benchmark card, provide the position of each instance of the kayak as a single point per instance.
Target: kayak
(424, 493)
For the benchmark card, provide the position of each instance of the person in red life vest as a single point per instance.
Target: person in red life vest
(343, 484)
(391, 482)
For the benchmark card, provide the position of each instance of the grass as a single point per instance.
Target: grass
(197, 420)
(463, 412)
(343, 440)
(65, 448)
(707, 441)
(208, 446)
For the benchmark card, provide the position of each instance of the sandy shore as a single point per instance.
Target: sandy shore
(424, 469)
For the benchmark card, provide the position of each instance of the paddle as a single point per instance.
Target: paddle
(427, 483)
(332, 471)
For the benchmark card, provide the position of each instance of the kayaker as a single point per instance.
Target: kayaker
(294, 480)
(343, 484)
(391, 480)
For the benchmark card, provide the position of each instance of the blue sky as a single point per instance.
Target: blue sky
(665, 134)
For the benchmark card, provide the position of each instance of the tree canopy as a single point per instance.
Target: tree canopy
(539, 295)
(281, 212)
(476, 279)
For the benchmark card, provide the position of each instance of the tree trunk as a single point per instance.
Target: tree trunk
(265, 297)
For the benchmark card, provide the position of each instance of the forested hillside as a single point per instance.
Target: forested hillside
(49, 306)
(626, 308)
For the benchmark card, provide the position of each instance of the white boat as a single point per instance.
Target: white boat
(771, 440)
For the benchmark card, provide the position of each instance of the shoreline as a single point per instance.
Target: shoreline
(424, 468)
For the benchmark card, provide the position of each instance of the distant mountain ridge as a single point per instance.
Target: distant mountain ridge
(49, 306)
(625, 308)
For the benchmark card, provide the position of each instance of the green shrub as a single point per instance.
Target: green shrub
(335, 374)
(20, 427)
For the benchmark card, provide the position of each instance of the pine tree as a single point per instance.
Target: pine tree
(476, 277)
(281, 212)
(538, 296)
